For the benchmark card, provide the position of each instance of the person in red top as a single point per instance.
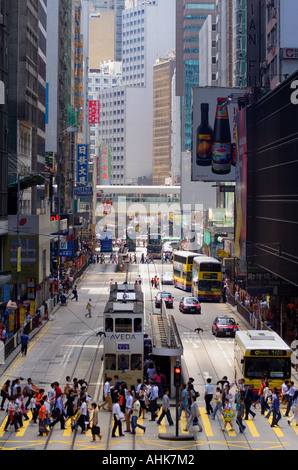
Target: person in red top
(57, 389)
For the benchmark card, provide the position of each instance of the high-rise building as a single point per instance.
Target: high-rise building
(163, 72)
(4, 40)
(27, 94)
(116, 7)
(189, 21)
(61, 113)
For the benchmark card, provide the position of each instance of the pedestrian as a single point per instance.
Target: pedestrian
(153, 400)
(135, 415)
(83, 415)
(107, 394)
(267, 394)
(95, 429)
(75, 293)
(42, 416)
(166, 408)
(217, 401)
(209, 392)
(5, 393)
(284, 390)
(248, 399)
(12, 417)
(24, 344)
(290, 394)
(70, 406)
(128, 410)
(240, 414)
(89, 306)
(275, 408)
(183, 403)
(193, 418)
(142, 398)
(227, 414)
(294, 409)
(117, 415)
(57, 413)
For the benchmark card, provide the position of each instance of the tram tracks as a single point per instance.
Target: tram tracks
(88, 378)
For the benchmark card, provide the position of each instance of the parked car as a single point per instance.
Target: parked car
(167, 296)
(167, 278)
(189, 305)
(224, 325)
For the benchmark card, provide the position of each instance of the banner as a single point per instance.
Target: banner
(94, 112)
(82, 164)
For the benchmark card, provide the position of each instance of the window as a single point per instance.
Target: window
(110, 361)
(123, 325)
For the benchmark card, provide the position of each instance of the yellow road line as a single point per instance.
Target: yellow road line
(206, 422)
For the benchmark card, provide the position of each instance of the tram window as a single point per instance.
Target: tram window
(136, 361)
(123, 325)
(137, 325)
(109, 324)
(110, 361)
(123, 362)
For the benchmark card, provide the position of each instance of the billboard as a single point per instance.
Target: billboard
(82, 165)
(214, 113)
(105, 165)
(241, 186)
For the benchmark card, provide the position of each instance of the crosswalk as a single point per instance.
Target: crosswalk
(210, 427)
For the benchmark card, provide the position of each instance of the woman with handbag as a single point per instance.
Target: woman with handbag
(95, 429)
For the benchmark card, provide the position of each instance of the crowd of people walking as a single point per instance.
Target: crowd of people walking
(231, 403)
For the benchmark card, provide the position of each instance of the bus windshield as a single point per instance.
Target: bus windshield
(271, 367)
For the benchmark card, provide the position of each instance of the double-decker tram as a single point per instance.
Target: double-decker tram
(207, 278)
(182, 269)
(261, 354)
(123, 324)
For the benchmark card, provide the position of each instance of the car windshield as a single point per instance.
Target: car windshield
(165, 295)
(226, 321)
(167, 275)
(191, 300)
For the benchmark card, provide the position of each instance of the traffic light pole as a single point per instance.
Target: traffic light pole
(177, 385)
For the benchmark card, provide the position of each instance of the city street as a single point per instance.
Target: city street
(68, 345)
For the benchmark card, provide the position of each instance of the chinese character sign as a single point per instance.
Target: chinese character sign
(82, 164)
(94, 112)
(105, 165)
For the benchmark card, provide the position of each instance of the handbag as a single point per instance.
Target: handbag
(95, 430)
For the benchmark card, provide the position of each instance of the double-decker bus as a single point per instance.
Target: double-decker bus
(124, 333)
(261, 354)
(207, 278)
(182, 269)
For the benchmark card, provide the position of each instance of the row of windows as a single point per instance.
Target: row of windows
(123, 325)
(123, 361)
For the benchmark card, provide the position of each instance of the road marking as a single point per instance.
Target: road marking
(206, 422)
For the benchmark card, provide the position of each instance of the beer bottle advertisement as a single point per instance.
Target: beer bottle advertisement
(214, 108)
(204, 138)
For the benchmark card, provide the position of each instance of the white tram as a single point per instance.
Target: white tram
(124, 333)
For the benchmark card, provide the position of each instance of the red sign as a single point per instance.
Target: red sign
(94, 112)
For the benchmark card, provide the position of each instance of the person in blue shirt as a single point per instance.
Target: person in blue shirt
(183, 403)
(275, 408)
(24, 343)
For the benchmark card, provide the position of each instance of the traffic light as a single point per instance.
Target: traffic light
(177, 374)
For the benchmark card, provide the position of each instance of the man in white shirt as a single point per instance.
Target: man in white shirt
(107, 394)
(117, 418)
(128, 410)
(209, 391)
(153, 400)
(290, 394)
